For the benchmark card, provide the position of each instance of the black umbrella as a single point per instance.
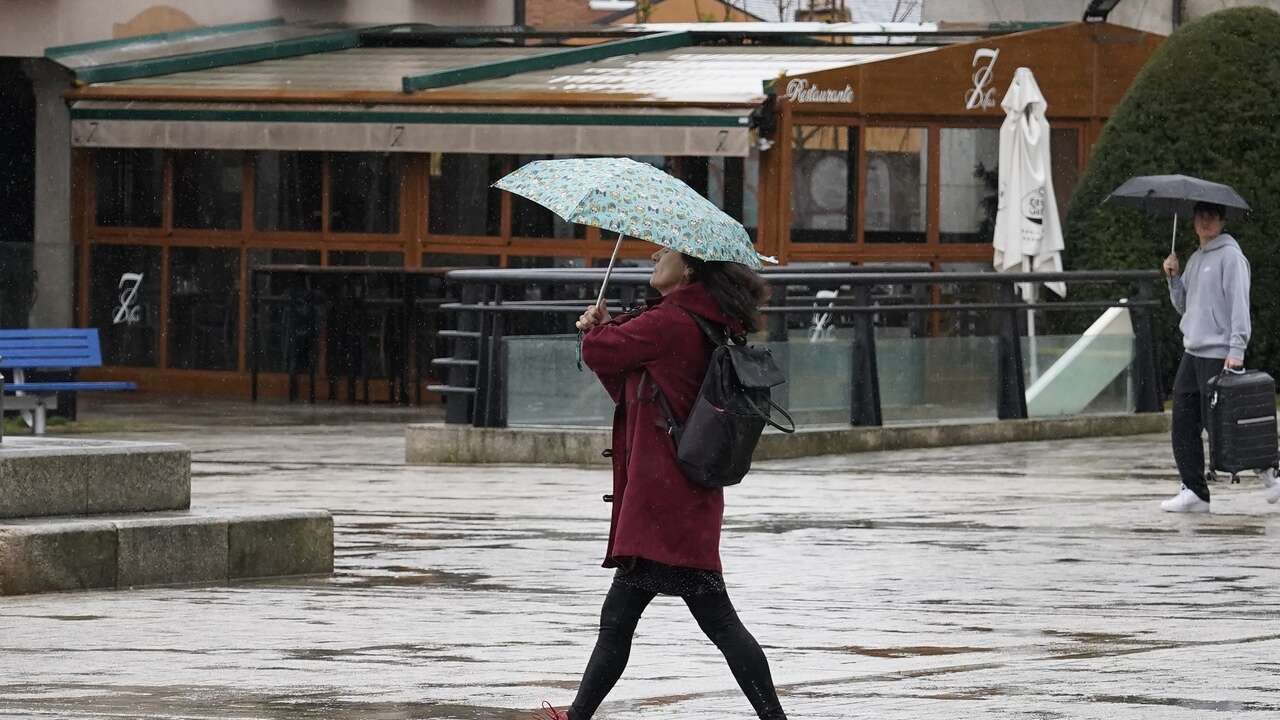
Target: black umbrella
(1176, 195)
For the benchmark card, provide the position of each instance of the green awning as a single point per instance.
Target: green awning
(412, 128)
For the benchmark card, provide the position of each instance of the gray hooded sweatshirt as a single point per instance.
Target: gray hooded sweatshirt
(1212, 295)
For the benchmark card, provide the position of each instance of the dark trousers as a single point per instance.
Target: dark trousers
(717, 618)
(1189, 393)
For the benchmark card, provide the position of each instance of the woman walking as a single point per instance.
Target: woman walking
(664, 538)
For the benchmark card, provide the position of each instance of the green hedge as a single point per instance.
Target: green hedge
(1207, 104)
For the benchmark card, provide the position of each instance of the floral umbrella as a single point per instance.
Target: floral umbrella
(636, 199)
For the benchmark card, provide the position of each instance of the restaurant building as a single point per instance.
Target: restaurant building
(197, 159)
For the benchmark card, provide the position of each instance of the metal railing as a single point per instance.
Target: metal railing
(348, 325)
(487, 312)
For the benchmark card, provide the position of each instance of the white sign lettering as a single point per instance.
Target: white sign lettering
(127, 312)
(982, 95)
(800, 91)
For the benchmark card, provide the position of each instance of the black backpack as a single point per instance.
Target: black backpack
(715, 444)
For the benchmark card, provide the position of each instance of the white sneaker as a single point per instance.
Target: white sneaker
(1185, 502)
(1271, 483)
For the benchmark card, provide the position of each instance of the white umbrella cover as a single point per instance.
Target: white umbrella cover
(1028, 233)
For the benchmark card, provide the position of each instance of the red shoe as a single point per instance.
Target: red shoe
(549, 713)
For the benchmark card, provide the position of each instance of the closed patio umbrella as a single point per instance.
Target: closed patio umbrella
(1028, 232)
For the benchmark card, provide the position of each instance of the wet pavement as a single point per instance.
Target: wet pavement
(1035, 580)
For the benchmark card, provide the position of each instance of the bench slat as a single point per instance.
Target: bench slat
(87, 333)
(43, 342)
(50, 348)
(62, 351)
(39, 387)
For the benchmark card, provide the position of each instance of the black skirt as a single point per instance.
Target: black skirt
(660, 579)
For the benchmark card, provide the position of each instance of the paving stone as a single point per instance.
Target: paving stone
(45, 557)
(294, 543)
(1026, 580)
(49, 476)
(171, 551)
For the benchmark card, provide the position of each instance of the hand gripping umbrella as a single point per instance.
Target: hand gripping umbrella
(636, 199)
(1176, 195)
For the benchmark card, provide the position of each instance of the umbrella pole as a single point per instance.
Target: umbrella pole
(1031, 333)
(609, 271)
(1173, 239)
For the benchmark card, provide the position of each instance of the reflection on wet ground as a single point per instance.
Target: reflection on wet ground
(1034, 580)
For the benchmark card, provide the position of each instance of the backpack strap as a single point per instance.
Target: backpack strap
(668, 423)
(767, 414)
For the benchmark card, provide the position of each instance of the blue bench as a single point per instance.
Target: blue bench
(39, 349)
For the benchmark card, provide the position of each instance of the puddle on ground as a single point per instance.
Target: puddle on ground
(906, 651)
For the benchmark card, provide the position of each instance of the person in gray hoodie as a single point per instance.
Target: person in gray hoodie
(1213, 298)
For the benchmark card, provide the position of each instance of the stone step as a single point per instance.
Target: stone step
(161, 548)
(45, 476)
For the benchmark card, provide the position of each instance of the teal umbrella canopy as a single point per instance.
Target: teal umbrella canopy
(634, 199)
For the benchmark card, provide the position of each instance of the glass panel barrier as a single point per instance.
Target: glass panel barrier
(543, 385)
(938, 378)
(1076, 375)
(921, 379)
(819, 374)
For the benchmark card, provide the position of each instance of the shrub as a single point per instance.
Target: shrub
(1207, 104)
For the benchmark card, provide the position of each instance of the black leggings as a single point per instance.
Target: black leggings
(717, 618)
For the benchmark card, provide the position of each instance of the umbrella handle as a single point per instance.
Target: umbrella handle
(609, 271)
(1173, 239)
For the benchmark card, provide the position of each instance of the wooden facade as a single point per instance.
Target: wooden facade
(909, 114)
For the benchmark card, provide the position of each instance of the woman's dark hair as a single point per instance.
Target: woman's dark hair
(737, 289)
(1209, 208)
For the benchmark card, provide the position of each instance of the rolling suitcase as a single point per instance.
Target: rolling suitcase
(1241, 420)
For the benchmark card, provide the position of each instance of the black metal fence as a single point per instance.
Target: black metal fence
(494, 304)
(349, 325)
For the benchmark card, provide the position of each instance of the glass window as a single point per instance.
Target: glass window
(366, 259)
(529, 262)
(897, 184)
(969, 173)
(364, 193)
(204, 308)
(364, 329)
(286, 191)
(288, 310)
(1064, 149)
(129, 187)
(124, 303)
(461, 199)
(732, 185)
(456, 260)
(823, 190)
(206, 189)
(529, 219)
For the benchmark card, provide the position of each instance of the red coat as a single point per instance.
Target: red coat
(657, 513)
